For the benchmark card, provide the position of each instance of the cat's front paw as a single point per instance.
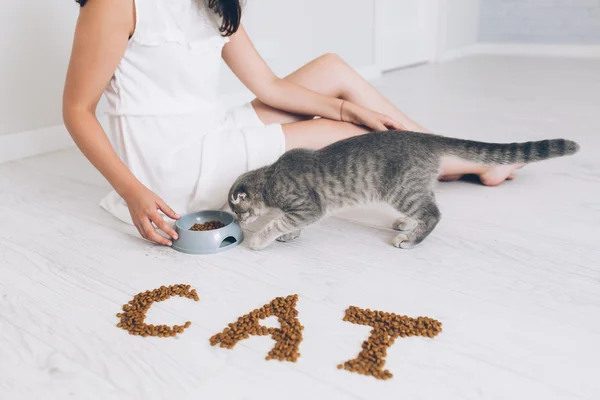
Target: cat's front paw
(288, 237)
(257, 243)
(404, 224)
(405, 240)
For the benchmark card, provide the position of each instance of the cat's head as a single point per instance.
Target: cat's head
(246, 199)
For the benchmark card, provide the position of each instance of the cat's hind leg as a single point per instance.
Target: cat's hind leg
(421, 215)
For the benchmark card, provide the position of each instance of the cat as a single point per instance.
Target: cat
(399, 168)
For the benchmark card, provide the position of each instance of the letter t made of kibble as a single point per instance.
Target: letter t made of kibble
(287, 337)
(386, 328)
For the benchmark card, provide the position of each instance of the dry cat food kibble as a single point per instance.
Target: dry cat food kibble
(386, 328)
(287, 337)
(207, 226)
(134, 312)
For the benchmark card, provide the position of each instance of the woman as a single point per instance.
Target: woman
(171, 142)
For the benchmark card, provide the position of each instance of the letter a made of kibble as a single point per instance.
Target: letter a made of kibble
(386, 328)
(287, 337)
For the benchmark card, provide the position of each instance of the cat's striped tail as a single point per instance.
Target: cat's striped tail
(510, 153)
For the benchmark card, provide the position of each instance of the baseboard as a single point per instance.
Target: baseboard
(15, 146)
(575, 51)
(531, 50)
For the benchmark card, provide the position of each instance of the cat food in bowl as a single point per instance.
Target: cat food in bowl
(207, 232)
(207, 226)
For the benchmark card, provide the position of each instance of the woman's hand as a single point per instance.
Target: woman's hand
(362, 116)
(143, 206)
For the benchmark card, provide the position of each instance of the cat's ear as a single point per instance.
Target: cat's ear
(238, 197)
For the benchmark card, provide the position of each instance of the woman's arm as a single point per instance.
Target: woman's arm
(101, 37)
(245, 62)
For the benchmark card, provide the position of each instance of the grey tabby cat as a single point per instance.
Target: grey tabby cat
(399, 168)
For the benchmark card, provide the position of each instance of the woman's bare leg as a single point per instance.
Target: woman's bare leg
(318, 133)
(330, 75)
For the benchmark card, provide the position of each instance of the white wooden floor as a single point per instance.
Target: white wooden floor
(513, 272)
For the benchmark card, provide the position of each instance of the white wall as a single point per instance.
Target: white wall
(289, 33)
(35, 41)
(462, 23)
(540, 21)
(458, 22)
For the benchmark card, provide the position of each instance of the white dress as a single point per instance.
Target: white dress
(165, 119)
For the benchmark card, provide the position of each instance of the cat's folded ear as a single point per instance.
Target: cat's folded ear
(239, 195)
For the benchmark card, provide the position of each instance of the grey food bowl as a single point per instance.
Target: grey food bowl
(207, 242)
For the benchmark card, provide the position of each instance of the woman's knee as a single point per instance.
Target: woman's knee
(337, 72)
(333, 60)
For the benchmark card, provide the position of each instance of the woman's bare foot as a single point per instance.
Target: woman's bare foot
(498, 174)
(491, 176)
(453, 168)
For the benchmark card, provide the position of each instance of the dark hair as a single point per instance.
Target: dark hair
(229, 10)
